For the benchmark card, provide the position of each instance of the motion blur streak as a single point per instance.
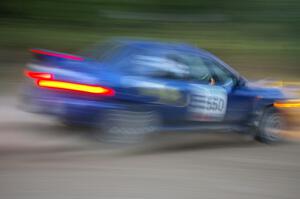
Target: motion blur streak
(75, 87)
(60, 55)
(288, 104)
(50, 158)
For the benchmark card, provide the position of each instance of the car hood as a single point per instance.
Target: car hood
(273, 89)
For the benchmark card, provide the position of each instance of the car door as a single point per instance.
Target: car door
(157, 79)
(207, 100)
(239, 103)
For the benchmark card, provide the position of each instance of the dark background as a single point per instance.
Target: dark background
(258, 37)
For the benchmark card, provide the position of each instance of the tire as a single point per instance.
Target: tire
(124, 126)
(72, 125)
(270, 126)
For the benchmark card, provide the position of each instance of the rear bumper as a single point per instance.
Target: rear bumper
(65, 107)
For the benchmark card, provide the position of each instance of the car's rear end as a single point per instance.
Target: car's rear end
(70, 87)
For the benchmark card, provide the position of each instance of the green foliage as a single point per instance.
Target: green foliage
(257, 32)
(91, 11)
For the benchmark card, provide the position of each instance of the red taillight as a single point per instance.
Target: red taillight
(46, 80)
(94, 89)
(38, 75)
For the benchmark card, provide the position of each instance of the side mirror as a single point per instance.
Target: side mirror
(240, 82)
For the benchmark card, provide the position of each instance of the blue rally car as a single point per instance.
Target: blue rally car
(130, 88)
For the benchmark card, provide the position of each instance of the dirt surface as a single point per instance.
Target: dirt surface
(41, 159)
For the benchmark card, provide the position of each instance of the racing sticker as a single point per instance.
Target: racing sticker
(163, 93)
(207, 103)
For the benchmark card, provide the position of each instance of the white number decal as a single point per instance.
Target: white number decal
(207, 103)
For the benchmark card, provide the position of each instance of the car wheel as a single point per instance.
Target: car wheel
(124, 126)
(71, 124)
(271, 126)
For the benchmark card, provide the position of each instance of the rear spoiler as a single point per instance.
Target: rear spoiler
(48, 54)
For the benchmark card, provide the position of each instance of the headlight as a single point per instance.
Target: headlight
(287, 104)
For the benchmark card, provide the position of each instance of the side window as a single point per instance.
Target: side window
(221, 75)
(198, 69)
(177, 66)
(169, 67)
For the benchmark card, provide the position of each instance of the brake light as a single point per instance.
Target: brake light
(38, 75)
(75, 87)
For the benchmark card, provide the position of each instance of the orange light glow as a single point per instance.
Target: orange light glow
(75, 87)
(287, 104)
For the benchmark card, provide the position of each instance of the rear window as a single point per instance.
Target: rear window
(102, 52)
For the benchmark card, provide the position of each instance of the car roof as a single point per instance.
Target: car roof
(151, 44)
(154, 44)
